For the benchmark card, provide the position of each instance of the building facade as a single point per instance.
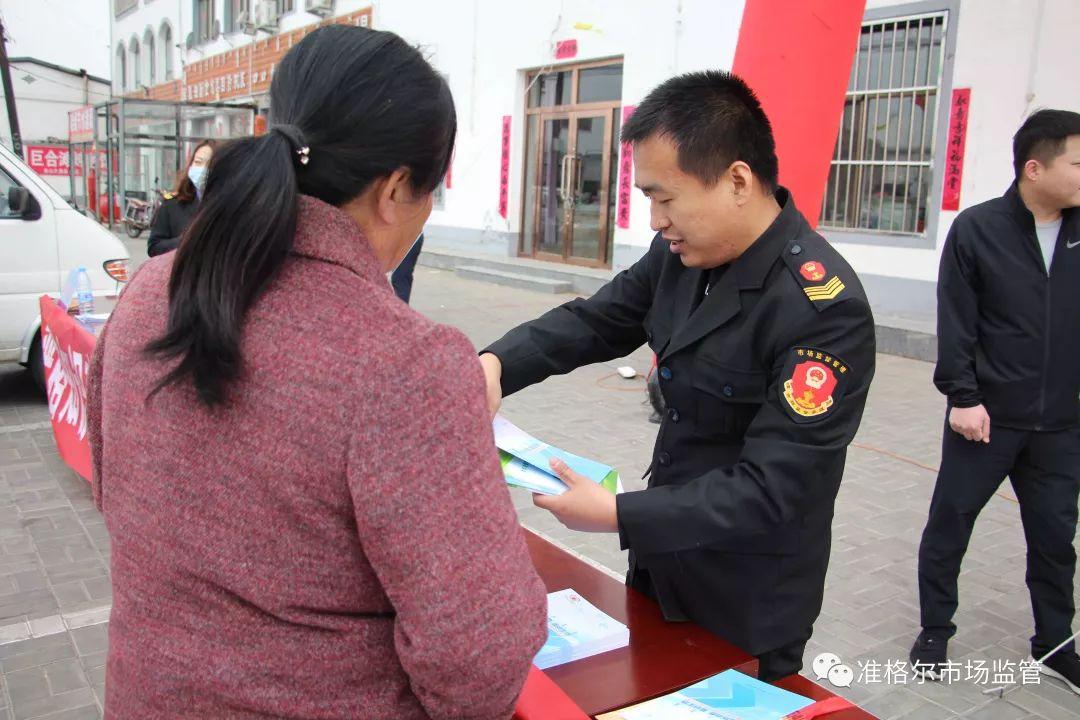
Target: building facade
(935, 90)
(44, 95)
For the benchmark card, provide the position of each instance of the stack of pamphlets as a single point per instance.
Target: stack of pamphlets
(526, 462)
(576, 630)
(730, 695)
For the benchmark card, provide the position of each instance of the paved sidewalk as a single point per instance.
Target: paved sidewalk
(53, 577)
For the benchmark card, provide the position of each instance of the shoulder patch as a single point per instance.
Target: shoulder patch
(815, 274)
(814, 382)
(167, 196)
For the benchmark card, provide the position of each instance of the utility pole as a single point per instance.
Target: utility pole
(9, 94)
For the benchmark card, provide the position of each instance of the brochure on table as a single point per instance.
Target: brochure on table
(577, 629)
(731, 695)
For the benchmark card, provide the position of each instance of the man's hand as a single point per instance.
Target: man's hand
(493, 378)
(585, 506)
(973, 423)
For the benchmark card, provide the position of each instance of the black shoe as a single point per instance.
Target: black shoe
(927, 656)
(1063, 666)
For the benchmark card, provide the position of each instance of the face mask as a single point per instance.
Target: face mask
(196, 174)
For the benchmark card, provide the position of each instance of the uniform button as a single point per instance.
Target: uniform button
(673, 414)
(665, 372)
(664, 459)
(728, 391)
(796, 249)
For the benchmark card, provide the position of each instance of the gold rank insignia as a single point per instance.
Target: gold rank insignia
(828, 291)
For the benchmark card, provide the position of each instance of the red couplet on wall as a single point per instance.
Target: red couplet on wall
(504, 172)
(954, 151)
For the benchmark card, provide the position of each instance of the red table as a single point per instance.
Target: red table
(662, 657)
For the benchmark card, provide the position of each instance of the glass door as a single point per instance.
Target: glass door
(552, 185)
(572, 187)
(571, 156)
(590, 188)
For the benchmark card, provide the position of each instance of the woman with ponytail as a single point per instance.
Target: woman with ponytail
(306, 510)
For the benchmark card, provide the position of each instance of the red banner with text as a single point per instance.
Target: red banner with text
(66, 348)
(954, 150)
(504, 168)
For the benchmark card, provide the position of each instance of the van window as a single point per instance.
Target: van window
(6, 183)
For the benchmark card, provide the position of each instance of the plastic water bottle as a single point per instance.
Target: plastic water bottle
(84, 292)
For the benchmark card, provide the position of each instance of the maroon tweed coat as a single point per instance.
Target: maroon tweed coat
(336, 541)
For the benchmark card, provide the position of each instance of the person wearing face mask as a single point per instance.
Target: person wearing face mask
(179, 206)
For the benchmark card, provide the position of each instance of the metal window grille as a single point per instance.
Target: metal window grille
(882, 167)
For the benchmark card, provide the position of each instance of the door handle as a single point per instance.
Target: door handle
(579, 176)
(564, 182)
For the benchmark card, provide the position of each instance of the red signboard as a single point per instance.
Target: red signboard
(81, 125)
(626, 169)
(565, 49)
(954, 150)
(504, 172)
(66, 348)
(54, 160)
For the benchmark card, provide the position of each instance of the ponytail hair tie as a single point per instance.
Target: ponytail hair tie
(296, 140)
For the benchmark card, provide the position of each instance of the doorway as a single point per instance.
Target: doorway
(571, 154)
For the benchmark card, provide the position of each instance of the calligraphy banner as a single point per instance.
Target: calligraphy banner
(626, 170)
(954, 150)
(504, 171)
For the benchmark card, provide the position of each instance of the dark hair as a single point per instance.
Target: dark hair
(714, 119)
(348, 105)
(1042, 137)
(184, 190)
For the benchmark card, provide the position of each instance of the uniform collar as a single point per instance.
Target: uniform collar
(326, 233)
(754, 264)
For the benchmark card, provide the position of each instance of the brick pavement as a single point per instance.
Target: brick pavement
(53, 568)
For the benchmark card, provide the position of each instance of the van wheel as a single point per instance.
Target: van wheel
(36, 363)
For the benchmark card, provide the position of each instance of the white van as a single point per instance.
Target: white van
(42, 238)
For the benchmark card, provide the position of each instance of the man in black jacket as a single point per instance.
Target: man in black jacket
(1009, 364)
(765, 344)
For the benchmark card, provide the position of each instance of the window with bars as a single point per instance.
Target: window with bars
(883, 164)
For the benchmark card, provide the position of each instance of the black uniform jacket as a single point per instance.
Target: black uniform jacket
(169, 223)
(1008, 331)
(765, 384)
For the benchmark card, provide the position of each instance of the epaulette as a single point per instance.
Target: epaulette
(820, 284)
(167, 196)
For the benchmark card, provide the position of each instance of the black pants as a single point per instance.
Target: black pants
(401, 278)
(783, 661)
(1044, 468)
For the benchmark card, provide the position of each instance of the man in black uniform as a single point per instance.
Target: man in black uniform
(765, 344)
(1009, 364)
